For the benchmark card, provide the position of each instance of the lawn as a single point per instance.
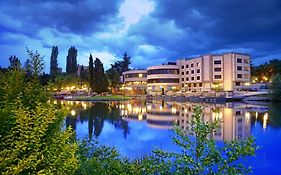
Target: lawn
(101, 98)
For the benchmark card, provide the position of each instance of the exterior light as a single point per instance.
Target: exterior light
(140, 75)
(73, 112)
(247, 84)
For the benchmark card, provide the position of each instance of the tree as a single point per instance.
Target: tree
(125, 63)
(275, 88)
(14, 62)
(114, 77)
(91, 73)
(35, 63)
(100, 79)
(83, 74)
(200, 154)
(54, 61)
(71, 61)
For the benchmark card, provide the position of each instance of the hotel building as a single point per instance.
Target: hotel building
(135, 81)
(212, 72)
(163, 79)
(226, 72)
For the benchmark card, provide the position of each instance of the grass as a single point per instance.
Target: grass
(101, 98)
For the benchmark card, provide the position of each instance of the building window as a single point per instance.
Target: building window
(239, 67)
(187, 72)
(239, 60)
(182, 67)
(186, 66)
(182, 73)
(192, 78)
(192, 65)
(217, 61)
(192, 72)
(198, 71)
(198, 77)
(187, 79)
(217, 76)
(198, 64)
(239, 75)
(182, 79)
(182, 85)
(238, 112)
(217, 69)
(200, 84)
(246, 61)
(237, 84)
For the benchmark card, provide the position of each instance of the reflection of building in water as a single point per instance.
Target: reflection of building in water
(161, 115)
(233, 123)
(132, 110)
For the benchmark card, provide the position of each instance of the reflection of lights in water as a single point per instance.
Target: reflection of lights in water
(143, 109)
(122, 112)
(55, 102)
(174, 110)
(129, 107)
(256, 119)
(148, 107)
(160, 108)
(84, 105)
(126, 112)
(73, 112)
(217, 116)
(265, 117)
(247, 116)
(140, 117)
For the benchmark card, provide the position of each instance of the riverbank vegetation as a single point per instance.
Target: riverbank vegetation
(33, 139)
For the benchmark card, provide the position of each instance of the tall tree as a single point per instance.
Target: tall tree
(14, 62)
(100, 79)
(91, 73)
(71, 61)
(83, 74)
(126, 62)
(54, 61)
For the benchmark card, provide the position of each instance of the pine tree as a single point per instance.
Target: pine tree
(54, 61)
(71, 61)
(91, 73)
(126, 62)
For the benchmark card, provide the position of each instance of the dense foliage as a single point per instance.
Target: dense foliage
(268, 70)
(32, 138)
(71, 61)
(54, 70)
(275, 88)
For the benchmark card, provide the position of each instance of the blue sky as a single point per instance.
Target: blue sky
(150, 31)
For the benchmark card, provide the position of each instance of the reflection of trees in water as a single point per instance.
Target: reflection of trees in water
(100, 112)
(71, 122)
(275, 115)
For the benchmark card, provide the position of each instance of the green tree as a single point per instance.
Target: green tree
(71, 61)
(100, 78)
(200, 154)
(275, 88)
(54, 61)
(125, 63)
(83, 74)
(114, 77)
(14, 62)
(91, 73)
(35, 63)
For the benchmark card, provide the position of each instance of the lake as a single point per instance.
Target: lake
(137, 127)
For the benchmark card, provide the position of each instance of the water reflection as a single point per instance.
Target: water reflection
(234, 118)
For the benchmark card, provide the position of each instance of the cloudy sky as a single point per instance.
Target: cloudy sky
(150, 31)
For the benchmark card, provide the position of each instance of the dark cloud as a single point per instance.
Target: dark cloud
(174, 29)
(80, 17)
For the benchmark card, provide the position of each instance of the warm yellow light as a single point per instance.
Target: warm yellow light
(140, 117)
(73, 112)
(247, 84)
(265, 117)
(84, 105)
(174, 110)
(55, 102)
(265, 78)
(174, 87)
(140, 75)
